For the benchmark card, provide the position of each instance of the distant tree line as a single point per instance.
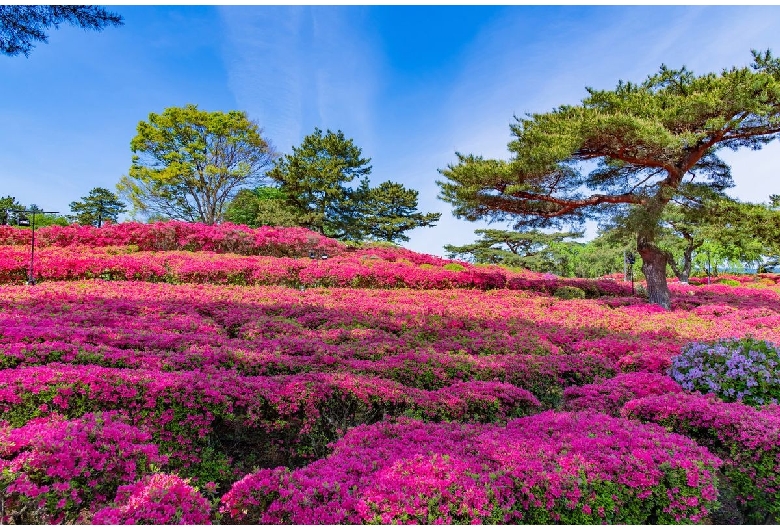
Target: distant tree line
(194, 165)
(97, 207)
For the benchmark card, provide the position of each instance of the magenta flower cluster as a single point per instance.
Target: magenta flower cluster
(157, 499)
(610, 395)
(550, 468)
(54, 470)
(178, 235)
(747, 439)
(447, 393)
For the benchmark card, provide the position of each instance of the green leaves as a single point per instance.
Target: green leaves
(98, 206)
(315, 177)
(315, 180)
(390, 209)
(188, 164)
(21, 26)
(638, 146)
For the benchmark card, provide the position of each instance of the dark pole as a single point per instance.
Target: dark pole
(31, 273)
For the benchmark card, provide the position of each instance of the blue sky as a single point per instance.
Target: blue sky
(410, 84)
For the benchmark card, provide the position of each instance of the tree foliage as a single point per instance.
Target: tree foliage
(651, 142)
(534, 250)
(188, 163)
(263, 206)
(98, 206)
(23, 25)
(316, 177)
(8, 217)
(390, 210)
(316, 183)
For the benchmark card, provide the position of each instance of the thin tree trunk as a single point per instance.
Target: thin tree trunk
(687, 262)
(654, 262)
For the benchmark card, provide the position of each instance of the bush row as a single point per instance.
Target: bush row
(346, 270)
(200, 419)
(546, 469)
(178, 235)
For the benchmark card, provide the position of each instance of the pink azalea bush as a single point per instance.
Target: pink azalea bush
(178, 235)
(156, 499)
(54, 470)
(610, 395)
(748, 441)
(549, 468)
(297, 415)
(228, 351)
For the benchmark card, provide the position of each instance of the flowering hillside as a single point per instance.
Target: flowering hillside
(219, 374)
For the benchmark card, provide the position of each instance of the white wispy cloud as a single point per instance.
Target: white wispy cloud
(296, 67)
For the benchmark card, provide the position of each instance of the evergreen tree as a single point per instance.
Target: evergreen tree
(315, 178)
(534, 250)
(652, 143)
(391, 210)
(98, 206)
(21, 26)
(7, 216)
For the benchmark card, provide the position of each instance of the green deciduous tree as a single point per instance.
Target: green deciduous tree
(21, 26)
(651, 142)
(98, 206)
(263, 206)
(188, 163)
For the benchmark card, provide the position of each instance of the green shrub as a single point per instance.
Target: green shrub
(569, 293)
(726, 281)
(457, 267)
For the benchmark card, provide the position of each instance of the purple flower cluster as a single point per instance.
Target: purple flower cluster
(745, 370)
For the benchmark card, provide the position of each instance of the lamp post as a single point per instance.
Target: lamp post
(628, 266)
(23, 221)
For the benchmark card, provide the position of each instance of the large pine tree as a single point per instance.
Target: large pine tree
(652, 142)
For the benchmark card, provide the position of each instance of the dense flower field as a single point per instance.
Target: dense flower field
(217, 374)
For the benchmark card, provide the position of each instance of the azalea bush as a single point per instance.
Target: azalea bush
(748, 441)
(158, 499)
(289, 418)
(550, 468)
(55, 471)
(178, 235)
(447, 393)
(746, 370)
(609, 396)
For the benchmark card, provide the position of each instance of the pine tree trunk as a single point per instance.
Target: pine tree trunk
(654, 262)
(687, 262)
